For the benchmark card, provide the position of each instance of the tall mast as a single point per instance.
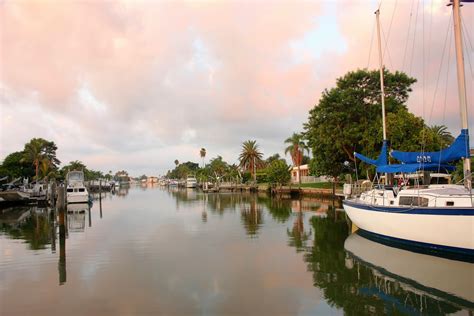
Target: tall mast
(382, 88)
(461, 84)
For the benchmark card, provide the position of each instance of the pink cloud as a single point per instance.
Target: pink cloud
(139, 61)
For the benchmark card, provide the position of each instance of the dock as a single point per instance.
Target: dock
(231, 187)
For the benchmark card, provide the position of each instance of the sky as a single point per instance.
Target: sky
(135, 85)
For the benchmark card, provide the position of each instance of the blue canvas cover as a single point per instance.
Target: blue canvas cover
(459, 149)
(381, 160)
(411, 168)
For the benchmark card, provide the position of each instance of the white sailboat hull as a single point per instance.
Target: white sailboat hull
(411, 224)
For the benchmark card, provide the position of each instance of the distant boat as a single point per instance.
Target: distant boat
(191, 182)
(76, 191)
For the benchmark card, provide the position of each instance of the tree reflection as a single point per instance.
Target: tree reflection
(279, 209)
(252, 218)
(30, 224)
(298, 236)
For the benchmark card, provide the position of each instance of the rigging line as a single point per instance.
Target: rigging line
(388, 51)
(408, 36)
(371, 43)
(390, 28)
(469, 60)
(468, 37)
(466, 30)
(429, 32)
(414, 39)
(440, 68)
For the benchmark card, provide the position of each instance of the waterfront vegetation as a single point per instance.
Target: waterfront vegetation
(346, 119)
(38, 161)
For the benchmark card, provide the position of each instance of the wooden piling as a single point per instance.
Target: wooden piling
(62, 245)
(61, 202)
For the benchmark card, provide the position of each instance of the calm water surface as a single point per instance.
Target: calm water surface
(155, 251)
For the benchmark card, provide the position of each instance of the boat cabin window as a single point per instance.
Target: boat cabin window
(449, 203)
(70, 190)
(413, 200)
(81, 189)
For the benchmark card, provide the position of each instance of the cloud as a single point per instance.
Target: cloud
(113, 83)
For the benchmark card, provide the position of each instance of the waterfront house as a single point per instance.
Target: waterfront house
(295, 173)
(305, 177)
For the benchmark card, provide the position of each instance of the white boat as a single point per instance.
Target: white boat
(76, 192)
(442, 278)
(191, 182)
(435, 217)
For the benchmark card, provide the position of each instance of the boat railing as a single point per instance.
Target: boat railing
(356, 189)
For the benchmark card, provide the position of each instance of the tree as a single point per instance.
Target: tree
(296, 147)
(272, 158)
(348, 118)
(444, 135)
(176, 162)
(89, 174)
(278, 173)
(45, 168)
(39, 149)
(15, 166)
(218, 167)
(202, 153)
(250, 157)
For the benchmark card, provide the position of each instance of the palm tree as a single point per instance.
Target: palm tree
(202, 152)
(176, 162)
(296, 148)
(250, 157)
(45, 167)
(33, 152)
(442, 132)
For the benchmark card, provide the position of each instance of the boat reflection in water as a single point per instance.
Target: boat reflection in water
(76, 216)
(428, 277)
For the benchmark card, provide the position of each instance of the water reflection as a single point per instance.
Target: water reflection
(229, 253)
(428, 276)
(298, 236)
(361, 286)
(76, 217)
(251, 215)
(62, 247)
(31, 224)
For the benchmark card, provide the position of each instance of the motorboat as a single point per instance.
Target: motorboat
(76, 192)
(191, 182)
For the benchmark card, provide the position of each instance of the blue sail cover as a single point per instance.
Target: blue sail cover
(414, 167)
(381, 160)
(459, 149)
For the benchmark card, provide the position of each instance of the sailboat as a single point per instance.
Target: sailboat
(437, 218)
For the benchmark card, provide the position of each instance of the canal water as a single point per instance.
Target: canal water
(155, 251)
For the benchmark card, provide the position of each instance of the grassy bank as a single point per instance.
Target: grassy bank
(320, 185)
